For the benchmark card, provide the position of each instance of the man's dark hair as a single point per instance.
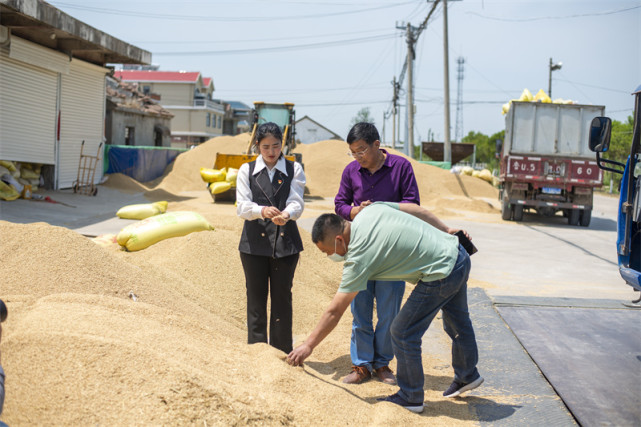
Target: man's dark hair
(269, 128)
(326, 225)
(365, 131)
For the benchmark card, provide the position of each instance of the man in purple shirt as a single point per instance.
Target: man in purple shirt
(374, 176)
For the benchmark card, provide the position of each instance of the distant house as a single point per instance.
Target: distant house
(52, 87)
(309, 131)
(188, 96)
(134, 118)
(238, 117)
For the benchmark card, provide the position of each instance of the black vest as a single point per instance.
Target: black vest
(262, 236)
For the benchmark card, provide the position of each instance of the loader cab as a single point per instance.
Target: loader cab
(281, 114)
(629, 217)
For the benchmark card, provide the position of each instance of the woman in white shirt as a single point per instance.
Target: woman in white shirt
(269, 194)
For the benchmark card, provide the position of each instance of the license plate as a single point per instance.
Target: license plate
(551, 190)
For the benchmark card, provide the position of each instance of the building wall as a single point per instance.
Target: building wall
(308, 132)
(69, 92)
(172, 93)
(144, 126)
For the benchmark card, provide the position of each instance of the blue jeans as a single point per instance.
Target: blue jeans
(369, 347)
(427, 298)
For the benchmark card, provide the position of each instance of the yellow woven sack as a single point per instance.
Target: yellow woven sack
(467, 170)
(486, 175)
(7, 192)
(145, 233)
(212, 175)
(141, 211)
(231, 176)
(28, 173)
(219, 187)
(526, 96)
(541, 96)
(9, 165)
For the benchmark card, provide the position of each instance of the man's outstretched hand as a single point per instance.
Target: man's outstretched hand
(298, 355)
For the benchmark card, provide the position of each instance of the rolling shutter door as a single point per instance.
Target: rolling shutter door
(27, 112)
(82, 107)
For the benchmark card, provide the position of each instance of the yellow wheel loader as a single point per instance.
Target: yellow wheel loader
(281, 114)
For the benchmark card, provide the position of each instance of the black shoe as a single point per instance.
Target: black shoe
(395, 398)
(456, 388)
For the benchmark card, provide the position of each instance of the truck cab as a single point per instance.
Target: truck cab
(629, 217)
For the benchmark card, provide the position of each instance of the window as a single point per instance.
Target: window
(146, 89)
(130, 133)
(220, 121)
(209, 119)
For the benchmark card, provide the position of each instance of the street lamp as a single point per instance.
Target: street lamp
(553, 67)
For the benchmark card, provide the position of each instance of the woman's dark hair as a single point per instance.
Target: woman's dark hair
(365, 131)
(269, 128)
(326, 225)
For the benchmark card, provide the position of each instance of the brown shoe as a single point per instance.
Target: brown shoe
(358, 375)
(386, 375)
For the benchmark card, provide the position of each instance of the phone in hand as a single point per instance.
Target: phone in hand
(466, 243)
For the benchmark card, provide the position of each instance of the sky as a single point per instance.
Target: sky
(333, 58)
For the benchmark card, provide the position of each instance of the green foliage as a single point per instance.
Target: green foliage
(485, 147)
(363, 115)
(620, 143)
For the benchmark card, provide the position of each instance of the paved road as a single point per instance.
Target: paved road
(546, 257)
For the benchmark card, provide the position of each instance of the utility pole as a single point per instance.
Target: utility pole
(394, 111)
(412, 34)
(447, 146)
(458, 129)
(409, 144)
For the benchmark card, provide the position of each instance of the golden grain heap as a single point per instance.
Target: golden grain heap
(98, 335)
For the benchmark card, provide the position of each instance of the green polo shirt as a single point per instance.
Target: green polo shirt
(388, 244)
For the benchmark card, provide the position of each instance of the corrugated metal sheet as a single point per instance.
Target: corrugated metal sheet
(27, 111)
(31, 53)
(82, 106)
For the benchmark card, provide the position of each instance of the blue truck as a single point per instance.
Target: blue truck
(629, 217)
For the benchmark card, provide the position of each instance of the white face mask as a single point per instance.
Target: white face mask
(336, 257)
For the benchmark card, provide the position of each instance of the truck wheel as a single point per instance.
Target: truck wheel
(506, 210)
(586, 216)
(518, 213)
(573, 216)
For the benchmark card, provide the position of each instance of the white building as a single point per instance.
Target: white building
(309, 131)
(52, 87)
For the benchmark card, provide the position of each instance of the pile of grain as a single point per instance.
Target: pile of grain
(324, 163)
(96, 335)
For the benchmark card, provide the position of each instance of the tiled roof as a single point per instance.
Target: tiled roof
(157, 76)
(206, 81)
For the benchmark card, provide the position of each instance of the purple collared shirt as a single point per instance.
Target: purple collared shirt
(393, 182)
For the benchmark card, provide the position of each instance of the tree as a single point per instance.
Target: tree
(485, 147)
(363, 115)
(620, 143)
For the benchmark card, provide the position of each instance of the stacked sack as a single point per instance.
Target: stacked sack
(19, 179)
(540, 96)
(483, 174)
(219, 180)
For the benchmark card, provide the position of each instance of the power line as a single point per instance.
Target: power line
(542, 18)
(280, 48)
(218, 41)
(174, 17)
(594, 86)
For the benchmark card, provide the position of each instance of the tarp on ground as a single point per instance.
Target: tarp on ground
(143, 164)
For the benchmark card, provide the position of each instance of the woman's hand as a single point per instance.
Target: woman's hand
(281, 219)
(270, 212)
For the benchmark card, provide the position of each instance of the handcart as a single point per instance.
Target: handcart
(86, 173)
